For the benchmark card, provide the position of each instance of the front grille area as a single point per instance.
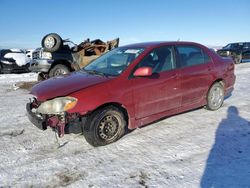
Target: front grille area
(36, 54)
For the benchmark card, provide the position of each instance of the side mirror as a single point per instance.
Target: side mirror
(143, 71)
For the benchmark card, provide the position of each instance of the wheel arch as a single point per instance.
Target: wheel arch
(219, 80)
(117, 105)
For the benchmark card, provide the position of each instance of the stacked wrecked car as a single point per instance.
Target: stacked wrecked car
(58, 56)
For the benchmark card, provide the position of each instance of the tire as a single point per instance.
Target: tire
(105, 126)
(237, 59)
(215, 96)
(58, 69)
(52, 42)
(42, 76)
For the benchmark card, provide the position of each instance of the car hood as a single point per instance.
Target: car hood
(65, 85)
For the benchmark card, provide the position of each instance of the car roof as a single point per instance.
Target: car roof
(158, 43)
(239, 43)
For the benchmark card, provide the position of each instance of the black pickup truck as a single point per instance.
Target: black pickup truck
(239, 52)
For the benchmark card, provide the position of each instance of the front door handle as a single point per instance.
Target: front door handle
(173, 76)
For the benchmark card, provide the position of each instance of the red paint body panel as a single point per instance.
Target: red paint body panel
(146, 99)
(194, 83)
(156, 94)
(64, 85)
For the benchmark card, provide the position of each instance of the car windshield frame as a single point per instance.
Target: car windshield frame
(114, 62)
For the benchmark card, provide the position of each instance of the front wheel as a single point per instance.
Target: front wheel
(105, 126)
(58, 70)
(215, 96)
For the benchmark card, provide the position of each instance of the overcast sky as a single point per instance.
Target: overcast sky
(23, 23)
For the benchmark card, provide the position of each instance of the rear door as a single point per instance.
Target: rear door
(160, 92)
(195, 67)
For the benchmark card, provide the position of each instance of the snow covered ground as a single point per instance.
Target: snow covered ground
(195, 149)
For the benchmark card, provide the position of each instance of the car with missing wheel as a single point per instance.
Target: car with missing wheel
(129, 87)
(58, 56)
(238, 51)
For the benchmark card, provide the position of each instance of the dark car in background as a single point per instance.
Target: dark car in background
(131, 86)
(14, 61)
(239, 51)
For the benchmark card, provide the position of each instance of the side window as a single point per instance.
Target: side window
(160, 59)
(206, 58)
(191, 55)
(246, 45)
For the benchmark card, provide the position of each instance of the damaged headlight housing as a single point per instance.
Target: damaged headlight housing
(57, 105)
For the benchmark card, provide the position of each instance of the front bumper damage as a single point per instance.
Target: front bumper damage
(40, 65)
(61, 123)
(14, 68)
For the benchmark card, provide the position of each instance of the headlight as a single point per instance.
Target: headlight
(57, 105)
(46, 55)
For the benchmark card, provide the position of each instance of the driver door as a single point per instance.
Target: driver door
(159, 92)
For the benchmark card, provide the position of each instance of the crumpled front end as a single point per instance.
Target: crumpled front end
(62, 123)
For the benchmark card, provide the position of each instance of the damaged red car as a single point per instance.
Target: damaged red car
(131, 86)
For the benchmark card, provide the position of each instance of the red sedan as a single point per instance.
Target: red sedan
(131, 86)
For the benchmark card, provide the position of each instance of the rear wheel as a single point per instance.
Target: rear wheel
(58, 70)
(215, 96)
(105, 126)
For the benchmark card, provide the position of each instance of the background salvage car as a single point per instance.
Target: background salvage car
(114, 92)
(239, 52)
(13, 61)
(59, 56)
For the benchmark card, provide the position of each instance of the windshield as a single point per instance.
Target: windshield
(114, 62)
(230, 46)
(233, 46)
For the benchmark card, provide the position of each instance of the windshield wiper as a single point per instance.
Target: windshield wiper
(95, 72)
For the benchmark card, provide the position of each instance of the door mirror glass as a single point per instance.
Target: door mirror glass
(143, 72)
